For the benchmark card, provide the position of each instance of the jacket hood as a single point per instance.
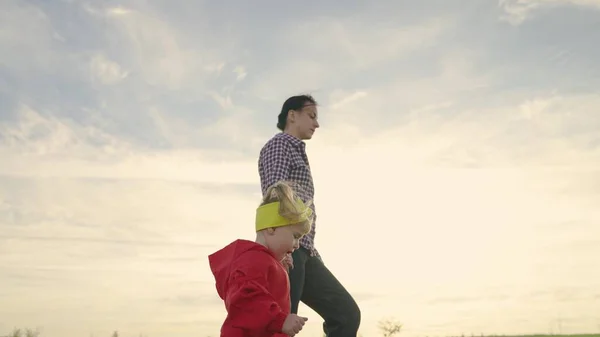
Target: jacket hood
(220, 262)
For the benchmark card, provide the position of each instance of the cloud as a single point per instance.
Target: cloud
(241, 73)
(224, 102)
(517, 11)
(155, 50)
(76, 233)
(31, 43)
(493, 174)
(350, 44)
(340, 45)
(36, 146)
(345, 99)
(467, 155)
(122, 63)
(34, 133)
(106, 71)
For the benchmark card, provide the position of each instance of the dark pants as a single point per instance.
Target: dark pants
(313, 284)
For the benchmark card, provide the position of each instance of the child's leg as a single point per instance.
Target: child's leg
(297, 277)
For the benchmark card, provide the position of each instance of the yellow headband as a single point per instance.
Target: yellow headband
(267, 216)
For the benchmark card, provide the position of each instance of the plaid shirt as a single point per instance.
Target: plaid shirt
(283, 157)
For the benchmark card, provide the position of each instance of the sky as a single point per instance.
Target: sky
(457, 166)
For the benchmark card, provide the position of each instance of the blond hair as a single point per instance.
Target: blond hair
(283, 193)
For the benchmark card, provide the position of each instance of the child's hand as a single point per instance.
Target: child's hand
(293, 324)
(288, 261)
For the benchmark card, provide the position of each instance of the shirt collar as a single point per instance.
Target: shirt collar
(295, 141)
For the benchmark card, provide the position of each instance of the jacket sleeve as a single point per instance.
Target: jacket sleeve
(249, 303)
(275, 163)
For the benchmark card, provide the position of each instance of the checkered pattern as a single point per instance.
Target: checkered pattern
(283, 157)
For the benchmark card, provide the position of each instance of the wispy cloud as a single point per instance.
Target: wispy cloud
(517, 11)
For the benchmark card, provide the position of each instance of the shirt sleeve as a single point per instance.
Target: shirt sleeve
(275, 164)
(249, 303)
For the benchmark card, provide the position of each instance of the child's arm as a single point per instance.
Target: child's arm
(249, 303)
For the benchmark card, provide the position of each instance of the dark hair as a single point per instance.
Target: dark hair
(293, 103)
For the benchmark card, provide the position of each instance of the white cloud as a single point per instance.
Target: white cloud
(340, 99)
(559, 134)
(517, 11)
(106, 71)
(162, 54)
(241, 73)
(26, 37)
(356, 44)
(118, 11)
(43, 136)
(335, 46)
(533, 109)
(153, 231)
(48, 146)
(224, 102)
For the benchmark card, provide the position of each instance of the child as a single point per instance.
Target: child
(250, 276)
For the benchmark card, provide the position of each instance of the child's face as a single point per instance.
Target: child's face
(284, 240)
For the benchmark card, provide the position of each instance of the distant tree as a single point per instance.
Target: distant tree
(25, 333)
(31, 333)
(115, 334)
(15, 333)
(389, 327)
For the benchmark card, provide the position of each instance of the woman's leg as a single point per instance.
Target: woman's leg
(297, 277)
(327, 296)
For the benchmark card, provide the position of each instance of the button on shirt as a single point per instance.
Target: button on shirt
(283, 157)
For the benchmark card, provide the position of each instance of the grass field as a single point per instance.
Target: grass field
(33, 333)
(547, 335)
(537, 335)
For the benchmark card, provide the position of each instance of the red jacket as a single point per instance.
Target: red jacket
(255, 288)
